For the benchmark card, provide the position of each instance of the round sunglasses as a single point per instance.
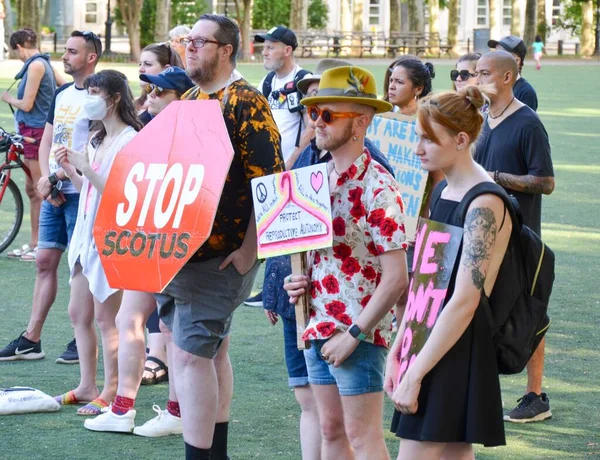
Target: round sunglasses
(464, 75)
(328, 116)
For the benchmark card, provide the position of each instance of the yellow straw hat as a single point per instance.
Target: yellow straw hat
(348, 84)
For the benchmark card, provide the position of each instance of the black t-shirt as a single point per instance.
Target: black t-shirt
(525, 93)
(518, 145)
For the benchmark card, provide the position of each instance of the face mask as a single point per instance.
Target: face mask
(95, 107)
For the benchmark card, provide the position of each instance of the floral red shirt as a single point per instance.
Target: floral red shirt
(368, 220)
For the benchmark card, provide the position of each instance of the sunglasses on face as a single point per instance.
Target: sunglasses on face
(157, 90)
(463, 74)
(328, 116)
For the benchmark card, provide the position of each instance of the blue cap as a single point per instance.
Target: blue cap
(170, 78)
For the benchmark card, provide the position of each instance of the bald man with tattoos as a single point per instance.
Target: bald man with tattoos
(514, 148)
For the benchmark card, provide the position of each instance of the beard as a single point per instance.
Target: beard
(334, 142)
(274, 65)
(204, 72)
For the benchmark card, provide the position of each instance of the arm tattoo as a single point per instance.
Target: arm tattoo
(480, 235)
(527, 184)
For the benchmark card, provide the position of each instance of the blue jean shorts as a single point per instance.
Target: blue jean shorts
(57, 223)
(294, 358)
(361, 373)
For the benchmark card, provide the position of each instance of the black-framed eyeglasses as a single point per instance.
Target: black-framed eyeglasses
(199, 42)
(88, 35)
(464, 75)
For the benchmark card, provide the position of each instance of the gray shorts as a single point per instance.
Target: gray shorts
(198, 304)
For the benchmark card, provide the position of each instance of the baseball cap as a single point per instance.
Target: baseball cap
(279, 34)
(170, 78)
(510, 43)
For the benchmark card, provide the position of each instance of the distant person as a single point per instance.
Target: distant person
(176, 34)
(34, 98)
(538, 47)
(522, 90)
(409, 81)
(464, 74)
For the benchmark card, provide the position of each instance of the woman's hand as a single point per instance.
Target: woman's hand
(77, 159)
(406, 395)
(391, 374)
(296, 285)
(61, 158)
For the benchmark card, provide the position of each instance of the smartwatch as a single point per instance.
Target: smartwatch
(53, 179)
(357, 333)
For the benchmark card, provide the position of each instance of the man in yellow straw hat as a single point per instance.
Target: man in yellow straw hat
(354, 284)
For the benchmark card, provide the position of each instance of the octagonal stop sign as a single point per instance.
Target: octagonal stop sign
(161, 196)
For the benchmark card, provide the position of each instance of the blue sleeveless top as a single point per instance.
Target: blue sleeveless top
(36, 117)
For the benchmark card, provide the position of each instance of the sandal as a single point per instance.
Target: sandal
(29, 256)
(69, 399)
(18, 253)
(154, 380)
(96, 407)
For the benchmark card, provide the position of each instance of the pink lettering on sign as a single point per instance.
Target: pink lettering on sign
(428, 267)
(425, 300)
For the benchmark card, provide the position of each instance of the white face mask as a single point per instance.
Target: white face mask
(95, 107)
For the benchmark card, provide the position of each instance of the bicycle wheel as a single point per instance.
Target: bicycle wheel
(11, 213)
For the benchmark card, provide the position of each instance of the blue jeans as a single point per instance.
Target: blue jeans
(361, 373)
(294, 358)
(57, 223)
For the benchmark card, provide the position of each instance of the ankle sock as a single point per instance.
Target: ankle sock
(122, 405)
(219, 444)
(173, 408)
(195, 453)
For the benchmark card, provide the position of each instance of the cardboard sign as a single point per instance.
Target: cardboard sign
(161, 196)
(436, 250)
(395, 136)
(293, 211)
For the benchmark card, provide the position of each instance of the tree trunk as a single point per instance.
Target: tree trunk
(357, 15)
(529, 33)
(414, 23)
(453, 27)
(28, 15)
(299, 15)
(394, 16)
(542, 26)
(161, 26)
(131, 11)
(243, 10)
(493, 14)
(587, 32)
(515, 20)
(434, 19)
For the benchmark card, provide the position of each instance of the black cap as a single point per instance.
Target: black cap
(170, 78)
(512, 44)
(279, 34)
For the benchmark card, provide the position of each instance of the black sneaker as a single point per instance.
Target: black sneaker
(22, 348)
(255, 301)
(70, 355)
(531, 408)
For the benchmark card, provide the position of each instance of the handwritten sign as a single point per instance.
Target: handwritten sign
(395, 136)
(436, 249)
(293, 211)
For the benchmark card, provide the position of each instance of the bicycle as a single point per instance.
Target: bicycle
(11, 204)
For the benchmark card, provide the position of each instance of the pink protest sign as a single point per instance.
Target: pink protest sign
(292, 211)
(436, 250)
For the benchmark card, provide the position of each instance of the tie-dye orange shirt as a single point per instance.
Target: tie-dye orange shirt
(257, 152)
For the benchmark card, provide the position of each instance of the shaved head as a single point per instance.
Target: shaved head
(502, 61)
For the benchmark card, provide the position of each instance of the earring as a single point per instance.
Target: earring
(355, 138)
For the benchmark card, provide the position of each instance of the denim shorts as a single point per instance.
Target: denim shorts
(57, 223)
(361, 373)
(294, 358)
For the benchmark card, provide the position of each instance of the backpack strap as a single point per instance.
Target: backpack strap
(268, 84)
(436, 195)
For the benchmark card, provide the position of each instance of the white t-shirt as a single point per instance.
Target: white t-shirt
(287, 122)
(71, 126)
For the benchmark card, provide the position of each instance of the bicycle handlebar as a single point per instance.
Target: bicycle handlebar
(16, 138)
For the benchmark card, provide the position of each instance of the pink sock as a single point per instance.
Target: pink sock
(122, 405)
(173, 408)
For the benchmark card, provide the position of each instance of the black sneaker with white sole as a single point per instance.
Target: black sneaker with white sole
(532, 408)
(22, 348)
(255, 301)
(70, 355)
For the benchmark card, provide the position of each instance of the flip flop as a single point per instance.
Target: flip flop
(29, 256)
(95, 406)
(154, 380)
(69, 399)
(18, 253)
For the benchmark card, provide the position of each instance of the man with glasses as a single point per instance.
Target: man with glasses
(354, 284)
(66, 125)
(198, 305)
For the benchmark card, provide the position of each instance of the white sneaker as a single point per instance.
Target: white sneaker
(109, 421)
(163, 424)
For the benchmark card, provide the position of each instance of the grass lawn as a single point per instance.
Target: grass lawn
(264, 418)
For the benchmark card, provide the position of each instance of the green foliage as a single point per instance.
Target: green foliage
(318, 14)
(187, 12)
(267, 13)
(147, 22)
(572, 18)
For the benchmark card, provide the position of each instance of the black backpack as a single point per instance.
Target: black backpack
(518, 304)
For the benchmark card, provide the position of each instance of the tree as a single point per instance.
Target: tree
(298, 15)
(161, 24)
(453, 27)
(318, 14)
(187, 12)
(358, 8)
(414, 22)
(515, 19)
(267, 14)
(243, 12)
(542, 25)
(529, 33)
(147, 23)
(493, 13)
(394, 16)
(587, 34)
(28, 14)
(131, 11)
(434, 19)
